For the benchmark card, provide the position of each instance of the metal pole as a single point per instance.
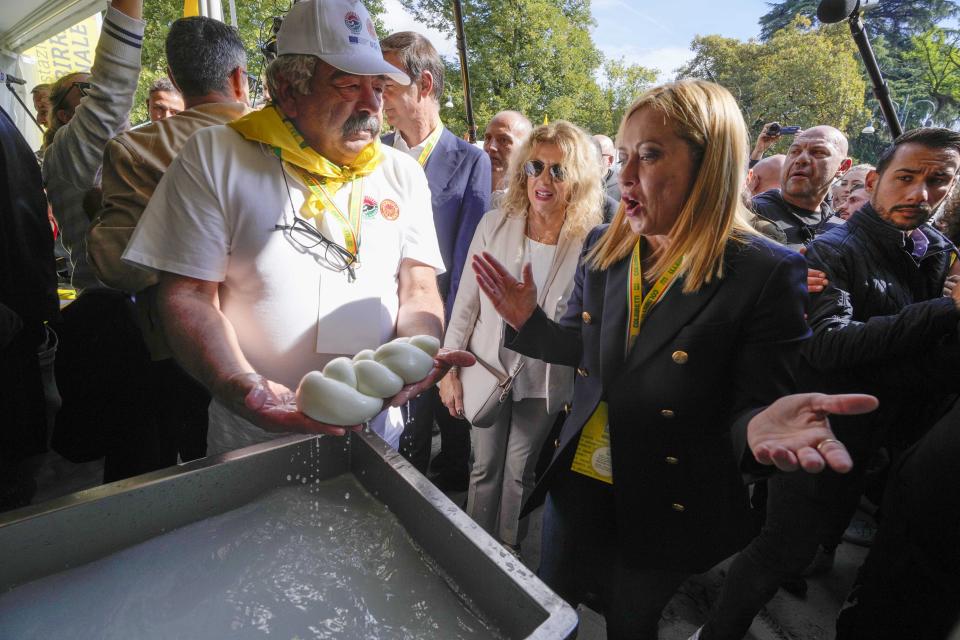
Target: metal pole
(23, 104)
(233, 14)
(464, 71)
(880, 89)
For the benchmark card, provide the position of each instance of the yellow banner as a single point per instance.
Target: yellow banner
(68, 51)
(191, 8)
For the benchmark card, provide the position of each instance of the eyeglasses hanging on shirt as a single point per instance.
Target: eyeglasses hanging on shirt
(305, 234)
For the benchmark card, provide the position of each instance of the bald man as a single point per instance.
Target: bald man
(797, 213)
(611, 178)
(765, 175)
(505, 131)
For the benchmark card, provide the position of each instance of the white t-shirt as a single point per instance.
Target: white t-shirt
(214, 217)
(531, 382)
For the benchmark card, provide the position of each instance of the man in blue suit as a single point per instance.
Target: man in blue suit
(459, 177)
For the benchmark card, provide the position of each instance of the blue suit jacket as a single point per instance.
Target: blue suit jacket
(459, 177)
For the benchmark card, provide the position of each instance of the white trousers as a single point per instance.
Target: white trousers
(504, 462)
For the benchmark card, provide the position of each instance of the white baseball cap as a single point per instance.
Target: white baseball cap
(339, 32)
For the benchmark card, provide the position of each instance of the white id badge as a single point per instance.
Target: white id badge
(349, 319)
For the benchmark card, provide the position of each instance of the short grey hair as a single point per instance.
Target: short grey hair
(295, 68)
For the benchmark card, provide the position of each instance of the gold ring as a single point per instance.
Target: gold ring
(825, 441)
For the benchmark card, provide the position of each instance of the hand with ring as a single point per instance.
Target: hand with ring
(794, 432)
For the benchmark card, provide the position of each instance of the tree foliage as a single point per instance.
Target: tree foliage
(896, 21)
(534, 56)
(801, 76)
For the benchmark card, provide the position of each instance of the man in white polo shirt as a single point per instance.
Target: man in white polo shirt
(292, 236)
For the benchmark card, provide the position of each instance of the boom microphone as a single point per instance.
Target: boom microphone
(6, 78)
(831, 11)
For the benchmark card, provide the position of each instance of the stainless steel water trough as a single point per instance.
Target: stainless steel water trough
(47, 538)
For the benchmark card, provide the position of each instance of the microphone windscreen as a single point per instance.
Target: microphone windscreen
(836, 10)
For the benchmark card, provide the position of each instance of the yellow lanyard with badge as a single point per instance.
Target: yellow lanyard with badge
(350, 223)
(429, 144)
(592, 457)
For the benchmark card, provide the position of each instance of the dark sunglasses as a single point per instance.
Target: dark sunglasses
(534, 168)
(82, 88)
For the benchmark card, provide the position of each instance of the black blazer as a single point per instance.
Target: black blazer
(679, 403)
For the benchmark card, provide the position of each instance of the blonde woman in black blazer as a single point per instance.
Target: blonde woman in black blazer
(683, 324)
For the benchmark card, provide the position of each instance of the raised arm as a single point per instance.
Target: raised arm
(77, 149)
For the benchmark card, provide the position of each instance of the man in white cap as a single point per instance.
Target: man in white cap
(292, 236)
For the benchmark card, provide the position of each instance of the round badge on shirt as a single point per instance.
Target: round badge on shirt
(390, 210)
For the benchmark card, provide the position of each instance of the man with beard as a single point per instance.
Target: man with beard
(292, 235)
(796, 213)
(880, 326)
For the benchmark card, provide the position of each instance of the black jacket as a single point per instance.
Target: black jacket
(882, 324)
(680, 401)
(792, 226)
(28, 276)
(881, 303)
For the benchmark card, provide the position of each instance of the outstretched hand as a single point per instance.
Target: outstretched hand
(514, 300)
(272, 406)
(794, 432)
(444, 360)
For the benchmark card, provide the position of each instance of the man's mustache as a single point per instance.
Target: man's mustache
(925, 209)
(360, 122)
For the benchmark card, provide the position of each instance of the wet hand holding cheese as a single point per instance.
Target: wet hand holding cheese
(351, 392)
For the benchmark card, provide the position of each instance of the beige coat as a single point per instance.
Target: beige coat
(475, 324)
(133, 164)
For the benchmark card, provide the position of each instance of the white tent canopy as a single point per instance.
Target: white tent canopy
(24, 23)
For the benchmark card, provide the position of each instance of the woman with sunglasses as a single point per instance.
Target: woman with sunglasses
(553, 199)
(682, 324)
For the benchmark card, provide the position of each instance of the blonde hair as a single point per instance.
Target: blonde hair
(707, 117)
(582, 171)
(58, 93)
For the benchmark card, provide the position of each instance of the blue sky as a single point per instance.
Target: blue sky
(657, 34)
(653, 33)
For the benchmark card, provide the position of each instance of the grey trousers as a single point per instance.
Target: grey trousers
(504, 461)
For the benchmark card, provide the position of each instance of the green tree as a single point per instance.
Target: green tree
(895, 20)
(935, 61)
(622, 83)
(535, 56)
(802, 76)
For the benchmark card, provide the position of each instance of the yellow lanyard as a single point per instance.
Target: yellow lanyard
(430, 143)
(639, 305)
(350, 225)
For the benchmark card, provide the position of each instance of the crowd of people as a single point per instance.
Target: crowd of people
(715, 352)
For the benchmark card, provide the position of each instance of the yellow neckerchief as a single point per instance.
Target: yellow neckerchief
(639, 305)
(322, 177)
(593, 455)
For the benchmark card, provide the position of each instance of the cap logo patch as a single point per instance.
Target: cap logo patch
(352, 20)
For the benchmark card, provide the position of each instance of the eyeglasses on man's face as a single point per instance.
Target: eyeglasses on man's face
(534, 168)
